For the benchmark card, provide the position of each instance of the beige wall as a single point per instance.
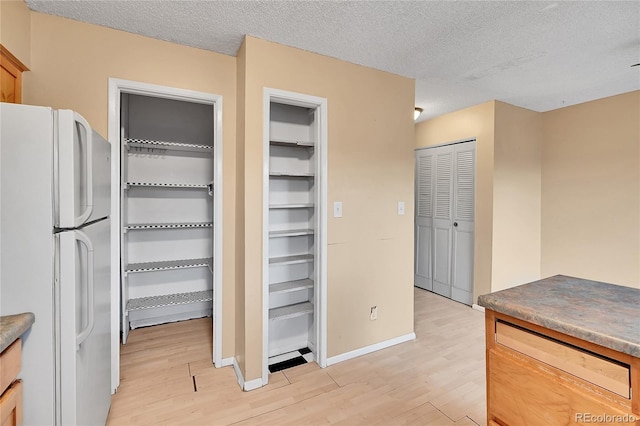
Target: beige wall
(370, 149)
(70, 68)
(474, 122)
(557, 192)
(591, 190)
(516, 196)
(15, 29)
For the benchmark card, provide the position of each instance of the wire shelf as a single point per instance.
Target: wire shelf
(142, 226)
(166, 185)
(166, 265)
(173, 146)
(169, 300)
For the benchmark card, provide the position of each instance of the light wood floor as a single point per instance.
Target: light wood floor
(438, 379)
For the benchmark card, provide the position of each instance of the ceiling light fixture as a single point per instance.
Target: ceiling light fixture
(416, 113)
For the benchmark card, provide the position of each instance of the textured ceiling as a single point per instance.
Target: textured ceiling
(540, 55)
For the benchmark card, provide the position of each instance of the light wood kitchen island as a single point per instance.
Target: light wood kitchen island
(563, 351)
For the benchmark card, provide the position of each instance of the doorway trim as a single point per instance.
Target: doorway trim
(116, 88)
(320, 104)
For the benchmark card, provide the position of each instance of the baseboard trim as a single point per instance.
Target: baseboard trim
(371, 348)
(478, 307)
(245, 386)
(226, 362)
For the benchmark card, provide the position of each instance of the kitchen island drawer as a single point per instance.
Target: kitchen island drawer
(601, 371)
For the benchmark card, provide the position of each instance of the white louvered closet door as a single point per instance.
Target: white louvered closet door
(463, 223)
(445, 187)
(442, 221)
(424, 219)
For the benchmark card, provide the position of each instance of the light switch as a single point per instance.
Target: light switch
(337, 209)
(400, 208)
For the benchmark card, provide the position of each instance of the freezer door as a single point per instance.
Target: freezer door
(85, 325)
(82, 172)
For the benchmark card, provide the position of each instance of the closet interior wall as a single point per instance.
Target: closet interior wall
(167, 241)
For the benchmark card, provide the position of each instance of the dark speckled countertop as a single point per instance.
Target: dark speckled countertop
(13, 326)
(601, 313)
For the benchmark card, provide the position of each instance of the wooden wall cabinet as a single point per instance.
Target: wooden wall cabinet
(10, 77)
(538, 376)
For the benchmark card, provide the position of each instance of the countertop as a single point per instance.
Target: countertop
(600, 313)
(13, 326)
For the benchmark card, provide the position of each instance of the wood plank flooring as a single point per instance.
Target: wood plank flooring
(167, 378)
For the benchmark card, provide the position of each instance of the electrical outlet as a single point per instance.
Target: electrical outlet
(374, 313)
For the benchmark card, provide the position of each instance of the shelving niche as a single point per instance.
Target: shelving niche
(292, 254)
(167, 210)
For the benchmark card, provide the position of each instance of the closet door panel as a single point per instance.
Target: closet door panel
(463, 229)
(442, 222)
(424, 220)
(423, 277)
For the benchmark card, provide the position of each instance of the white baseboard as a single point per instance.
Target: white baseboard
(478, 307)
(252, 384)
(226, 362)
(245, 386)
(371, 348)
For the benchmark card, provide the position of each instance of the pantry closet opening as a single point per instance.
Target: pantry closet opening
(166, 243)
(294, 240)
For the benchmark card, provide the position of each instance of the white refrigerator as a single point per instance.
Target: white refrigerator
(55, 260)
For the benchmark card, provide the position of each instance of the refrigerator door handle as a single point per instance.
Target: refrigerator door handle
(82, 336)
(89, 168)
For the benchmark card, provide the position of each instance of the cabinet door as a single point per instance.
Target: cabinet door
(11, 405)
(10, 77)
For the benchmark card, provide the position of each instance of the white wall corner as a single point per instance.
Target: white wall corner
(371, 348)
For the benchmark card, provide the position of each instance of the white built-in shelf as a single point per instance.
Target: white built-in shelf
(166, 185)
(292, 206)
(143, 226)
(169, 300)
(290, 260)
(291, 143)
(291, 311)
(172, 146)
(166, 265)
(291, 174)
(289, 286)
(290, 233)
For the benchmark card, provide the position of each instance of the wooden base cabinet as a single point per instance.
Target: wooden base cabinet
(11, 405)
(537, 376)
(11, 399)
